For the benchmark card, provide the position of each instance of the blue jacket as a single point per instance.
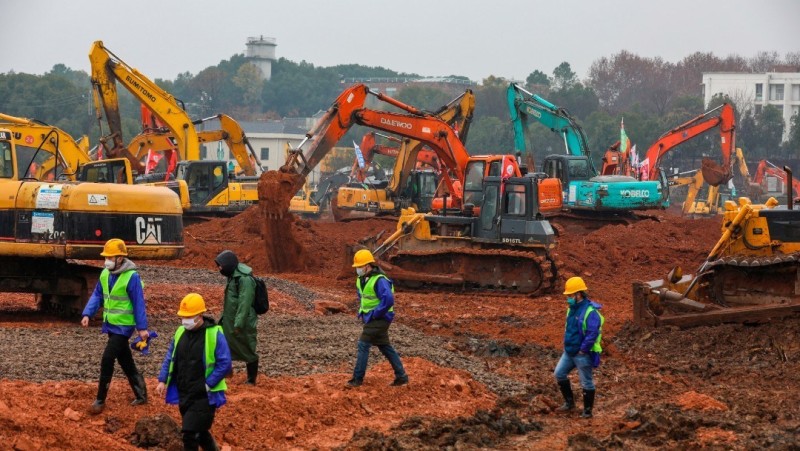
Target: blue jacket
(383, 289)
(574, 338)
(222, 366)
(135, 294)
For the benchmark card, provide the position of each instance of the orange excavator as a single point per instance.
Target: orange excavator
(770, 181)
(713, 173)
(491, 236)
(426, 158)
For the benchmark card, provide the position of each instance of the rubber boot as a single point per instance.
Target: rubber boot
(100, 403)
(252, 373)
(569, 398)
(588, 403)
(207, 442)
(139, 389)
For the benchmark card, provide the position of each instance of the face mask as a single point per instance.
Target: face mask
(109, 264)
(189, 323)
(571, 301)
(361, 271)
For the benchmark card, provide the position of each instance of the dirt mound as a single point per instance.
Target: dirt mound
(484, 429)
(157, 430)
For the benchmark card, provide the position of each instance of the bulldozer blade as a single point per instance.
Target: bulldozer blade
(713, 173)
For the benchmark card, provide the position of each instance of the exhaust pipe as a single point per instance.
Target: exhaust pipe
(790, 194)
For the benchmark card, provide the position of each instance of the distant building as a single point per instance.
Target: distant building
(392, 85)
(261, 52)
(755, 91)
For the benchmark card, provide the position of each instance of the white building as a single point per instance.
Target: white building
(754, 91)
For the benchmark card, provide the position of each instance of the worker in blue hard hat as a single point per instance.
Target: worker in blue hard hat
(582, 335)
(376, 310)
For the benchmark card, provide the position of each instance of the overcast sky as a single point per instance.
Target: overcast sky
(476, 38)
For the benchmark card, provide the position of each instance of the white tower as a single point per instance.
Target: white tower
(261, 52)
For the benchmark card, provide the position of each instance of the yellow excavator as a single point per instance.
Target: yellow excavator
(751, 275)
(205, 186)
(714, 198)
(408, 187)
(47, 220)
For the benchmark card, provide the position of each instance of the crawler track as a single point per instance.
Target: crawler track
(487, 270)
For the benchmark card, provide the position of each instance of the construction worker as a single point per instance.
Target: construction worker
(582, 335)
(376, 310)
(193, 372)
(120, 292)
(239, 319)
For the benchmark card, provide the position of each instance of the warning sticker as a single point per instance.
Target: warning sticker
(98, 199)
(49, 197)
(42, 222)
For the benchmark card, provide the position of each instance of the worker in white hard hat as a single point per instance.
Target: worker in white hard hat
(582, 335)
(376, 310)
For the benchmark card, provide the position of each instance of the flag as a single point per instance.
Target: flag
(624, 142)
(359, 156)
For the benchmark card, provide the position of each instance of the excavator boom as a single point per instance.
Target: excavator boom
(713, 173)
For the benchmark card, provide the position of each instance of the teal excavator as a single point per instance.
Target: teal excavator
(584, 191)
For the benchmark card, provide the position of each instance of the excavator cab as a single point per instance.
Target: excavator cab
(205, 179)
(421, 189)
(567, 168)
(115, 170)
(510, 213)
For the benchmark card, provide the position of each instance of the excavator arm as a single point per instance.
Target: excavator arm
(713, 174)
(523, 105)
(107, 69)
(348, 110)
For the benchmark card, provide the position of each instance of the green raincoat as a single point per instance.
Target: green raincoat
(239, 315)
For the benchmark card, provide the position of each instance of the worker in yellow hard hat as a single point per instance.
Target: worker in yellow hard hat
(376, 310)
(193, 372)
(120, 292)
(582, 336)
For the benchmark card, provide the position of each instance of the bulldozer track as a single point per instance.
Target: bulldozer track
(544, 263)
(765, 279)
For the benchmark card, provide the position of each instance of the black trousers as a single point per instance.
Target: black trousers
(198, 416)
(116, 349)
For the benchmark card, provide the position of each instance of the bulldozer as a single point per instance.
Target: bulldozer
(750, 276)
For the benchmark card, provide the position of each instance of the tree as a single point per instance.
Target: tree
(249, 80)
(770, 125)
(764, 61)
(579, 100)
(491, 80)
(537, 79)
(563, 76)
(490, 135)
(423, 97)
(792, 145)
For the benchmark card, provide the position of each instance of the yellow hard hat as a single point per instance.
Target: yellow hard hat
(192, 305)
(114, 248)
(574, 285)
(363, 257)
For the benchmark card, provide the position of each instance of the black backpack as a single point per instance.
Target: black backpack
(261, 299)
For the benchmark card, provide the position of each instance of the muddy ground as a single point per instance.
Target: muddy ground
(480, 366)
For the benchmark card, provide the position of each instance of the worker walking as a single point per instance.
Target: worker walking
(120, 292)
(239, 319)
(376, 310)
(582, 335)
(193, 372)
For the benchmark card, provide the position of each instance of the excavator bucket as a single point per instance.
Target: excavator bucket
(714, 174)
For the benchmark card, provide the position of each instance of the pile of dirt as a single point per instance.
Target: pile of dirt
(314, 411)
(484, 429)
(275, 190)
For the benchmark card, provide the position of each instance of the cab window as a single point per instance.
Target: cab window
(489, 208)
(6, 168)
(494, 169)
(474, 176)
(514, 198)
(578, 169)
(553, 169)
(31, 163)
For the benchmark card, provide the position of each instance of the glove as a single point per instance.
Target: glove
(143, 345)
